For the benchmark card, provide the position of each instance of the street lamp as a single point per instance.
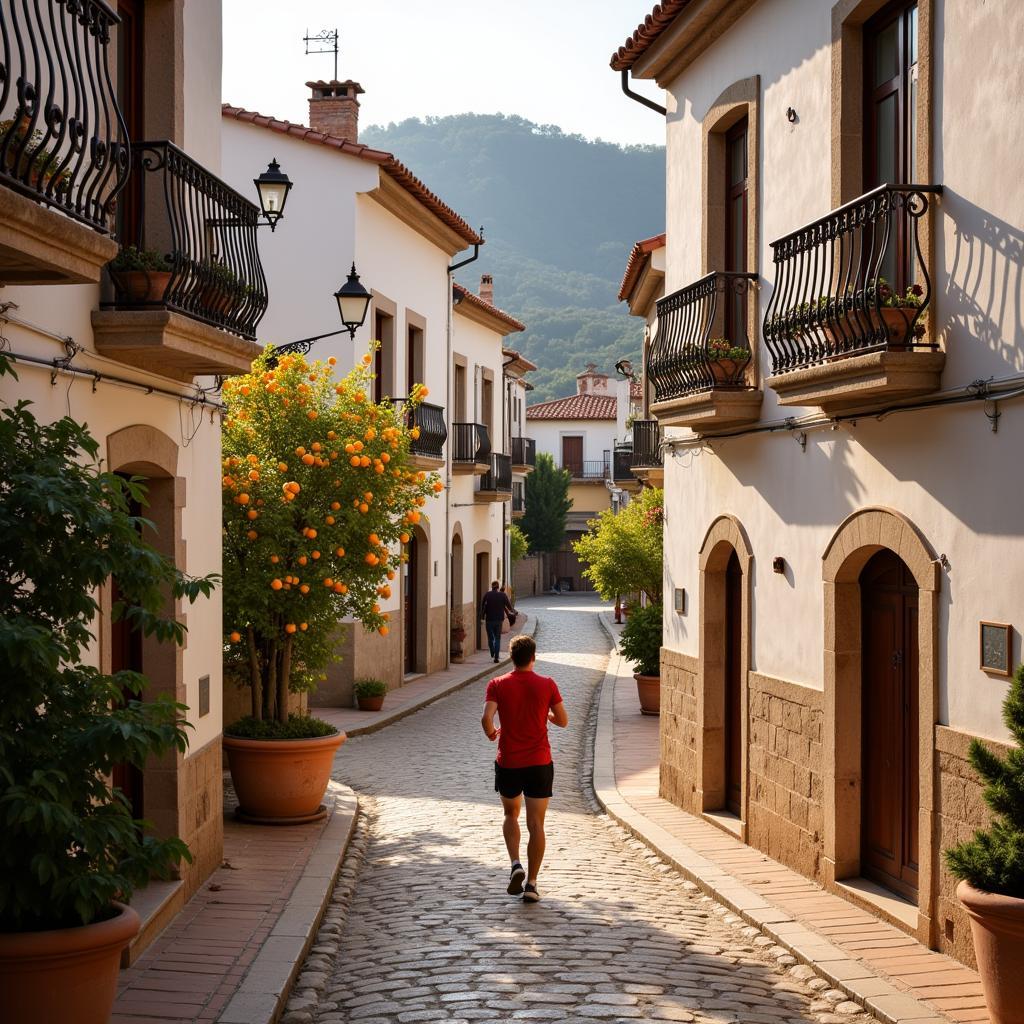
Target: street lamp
(273, 186)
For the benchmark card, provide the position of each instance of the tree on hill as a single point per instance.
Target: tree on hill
(547, 505)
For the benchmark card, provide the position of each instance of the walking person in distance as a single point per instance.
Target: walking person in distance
(525, 703)
(494, 606)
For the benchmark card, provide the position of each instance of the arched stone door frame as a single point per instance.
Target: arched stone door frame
(860, 536)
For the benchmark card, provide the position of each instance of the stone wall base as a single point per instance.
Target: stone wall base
(678, 730)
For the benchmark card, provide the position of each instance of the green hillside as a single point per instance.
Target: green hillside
(560, 214)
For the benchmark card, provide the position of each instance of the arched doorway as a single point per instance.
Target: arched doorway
(890, 787)
(410, 580)
(733, 717)
(455, 590)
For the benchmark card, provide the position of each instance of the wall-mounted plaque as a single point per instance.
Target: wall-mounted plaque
(996, 647)
(680, 601)
(204, 695)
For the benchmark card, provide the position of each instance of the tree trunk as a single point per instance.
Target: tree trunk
(283, 678)
(255, 675)
(272, 710)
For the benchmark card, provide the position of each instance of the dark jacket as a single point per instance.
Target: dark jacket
(493, 606)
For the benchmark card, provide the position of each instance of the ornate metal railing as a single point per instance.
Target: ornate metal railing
(63, 140)
(702, 342)
(429, 419)
(589, 469)
(622, 465)
(518, 496)
(196, 242)
(524, 451)
(499, 476)
(471, 444)
(853, 281)
(646, 444)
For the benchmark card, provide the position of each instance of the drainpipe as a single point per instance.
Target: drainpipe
(636, 96)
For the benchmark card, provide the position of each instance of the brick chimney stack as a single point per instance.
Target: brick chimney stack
(487, 288)
(334, 108)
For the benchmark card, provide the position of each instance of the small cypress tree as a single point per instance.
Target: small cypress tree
(993, 860)
(547, 505)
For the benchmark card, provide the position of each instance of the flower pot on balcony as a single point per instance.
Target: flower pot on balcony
(68, 974)
(141, 286)
(648, 689)
(726, 371)
(997, 927)
(281, 782)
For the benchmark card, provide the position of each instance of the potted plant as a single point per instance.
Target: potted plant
(140, 275)
(640, 643)
(727, 361)
(71, 853)
(37, 165)
(899, 311)
(370, 694)
(319, 498)
(991, 869)
(458, 637)
(220, 289)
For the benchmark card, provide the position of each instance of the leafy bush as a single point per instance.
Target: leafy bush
(518, 545)
(993, 860)
(640, 640)
(132, 258)
(68, 843)
(298, 727)
(370, 688)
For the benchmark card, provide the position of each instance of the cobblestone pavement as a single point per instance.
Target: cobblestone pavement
(420, 927)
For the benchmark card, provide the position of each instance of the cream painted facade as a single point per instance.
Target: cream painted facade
(935, 486)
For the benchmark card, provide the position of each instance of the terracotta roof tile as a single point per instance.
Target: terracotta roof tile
(506, 318)
(386, 161)
(647, 33)
(637, 258)
(575, 407)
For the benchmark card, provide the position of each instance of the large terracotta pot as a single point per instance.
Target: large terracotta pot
(648, 689)
(68, 974)
(142, 285)
(997, 927)
(281, 782)
(370, 703)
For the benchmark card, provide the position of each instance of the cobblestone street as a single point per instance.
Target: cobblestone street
(420, 927)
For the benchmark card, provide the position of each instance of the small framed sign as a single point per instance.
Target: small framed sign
(996, 647)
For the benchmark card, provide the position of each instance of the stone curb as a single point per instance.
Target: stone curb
(844, 972)
(529, 628)
(261, 996)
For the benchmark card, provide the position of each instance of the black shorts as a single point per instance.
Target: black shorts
(534, 782)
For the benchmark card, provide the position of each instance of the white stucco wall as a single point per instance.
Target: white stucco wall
(599, 436)
(202, 73)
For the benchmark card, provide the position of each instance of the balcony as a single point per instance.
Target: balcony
(622, 471)
(471, 448)
(496, 483)
(701, 363)
(63, 145)
(518, 499)
(589, 471)
(524, 454)
(190, 292)
(847, 325)
(647, 462)
(427, 450)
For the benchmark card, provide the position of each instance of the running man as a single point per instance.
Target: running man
(494, 605)
(524, 702)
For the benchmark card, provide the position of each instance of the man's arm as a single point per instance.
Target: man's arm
(558, 715)
(487, 722)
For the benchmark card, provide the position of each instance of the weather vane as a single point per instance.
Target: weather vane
(328, 36)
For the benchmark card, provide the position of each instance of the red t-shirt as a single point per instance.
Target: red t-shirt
(523, 699)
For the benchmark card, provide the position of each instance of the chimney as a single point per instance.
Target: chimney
(487, 288)
(591, 381)
(334, 108)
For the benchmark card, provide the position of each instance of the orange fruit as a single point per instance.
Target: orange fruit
(329, 520)
(252, 534)
(364, 508)
(312, 414)
(310, 533)
(354, 461)
(253, 474)
(315, 555)
(340, 552)
(300, 450)
(251, 514)
(391, 574)
(371, 558)
(385, 457)
(308, 459)
(303, 559)
(335, 505)
(290, 628)
(282, 467)
(340, 588)
(383, 630)
(328, 582)
(274, 559)
(331, 361)
(404, 538)
(304, 589)
(276, 584)
(303, 626)
(235, 637)
(243, 499)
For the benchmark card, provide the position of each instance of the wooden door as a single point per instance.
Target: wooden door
(410, 586)
(890, 788)
(736, 228)
(483, 584)
(733, 684)
(572, 455)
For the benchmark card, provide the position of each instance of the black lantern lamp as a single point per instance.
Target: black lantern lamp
(353, 302)
(273, 186)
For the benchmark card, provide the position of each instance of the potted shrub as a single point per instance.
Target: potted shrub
(370, 694)
(727, 361)
(220, 289)
(991, 869)
(319, 498)
(140, 275)
(640, 643)
(899, 312)
(40, 163)
(458, 637)
(71, 853)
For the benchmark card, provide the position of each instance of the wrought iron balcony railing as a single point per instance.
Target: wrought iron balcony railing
(851, 282)
(471, 444)
(646, 444)
(622, 465)
(429, 419)
(63, 140)
(499, 475)
(518, 496)
(197, 240)
(590, 469)
(702, 342)
(524, 451)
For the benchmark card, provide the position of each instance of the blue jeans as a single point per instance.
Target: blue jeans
(494, 637)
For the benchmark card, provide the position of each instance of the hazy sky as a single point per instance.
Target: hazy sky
(546, 60)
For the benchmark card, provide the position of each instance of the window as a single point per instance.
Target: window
(460, 393)
(487, 406)
(736, 226)
(414, 372)
(383, 332)
(572, 455)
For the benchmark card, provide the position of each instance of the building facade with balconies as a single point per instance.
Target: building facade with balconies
(104, 146)
(829, 362)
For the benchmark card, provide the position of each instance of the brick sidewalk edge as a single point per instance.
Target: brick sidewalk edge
(529, 628)
(862, 984)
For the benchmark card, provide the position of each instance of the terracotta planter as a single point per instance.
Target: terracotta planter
(897, 322)
(281, 782)
(142, 285)
(727, 371)
(997, 927)
(370, 703)
(648, 689)
(68, 974)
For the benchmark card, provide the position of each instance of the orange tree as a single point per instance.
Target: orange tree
(319, 499)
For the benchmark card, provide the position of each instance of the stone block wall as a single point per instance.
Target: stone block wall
(785, 815)
(678, 730)
(201, 816)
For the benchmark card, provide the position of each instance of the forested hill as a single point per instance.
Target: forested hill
(560, 214)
